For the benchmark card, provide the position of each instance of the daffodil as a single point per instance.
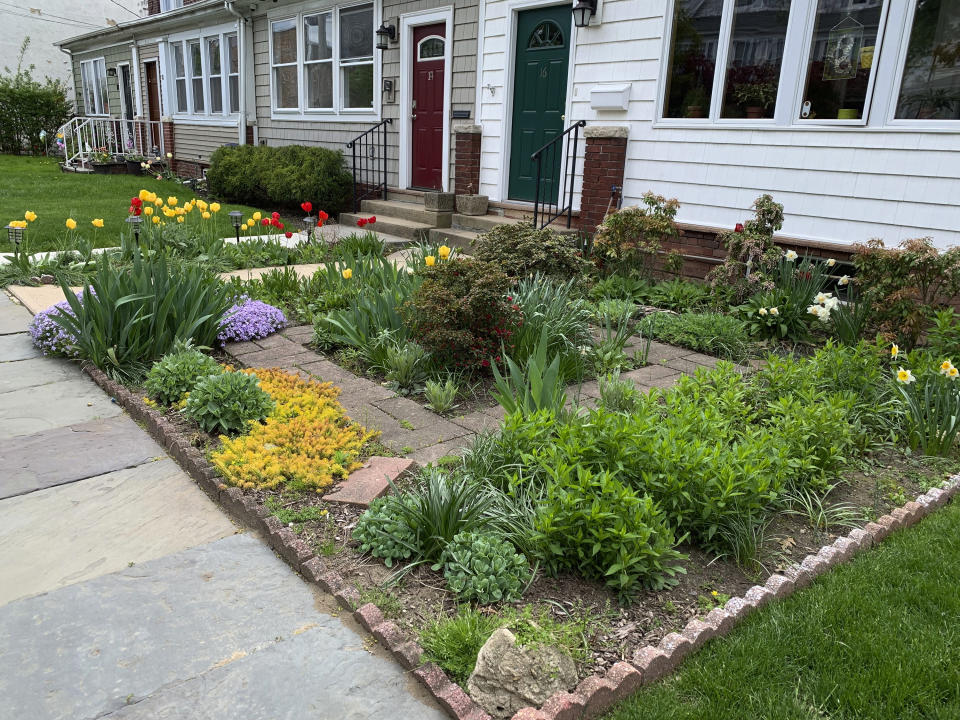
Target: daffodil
(790, 255)
(822, 298)
(894, 351)
(71, 224)
(762, 311)
(443, 252)
(347, 273)
(952, 373)
(774, 311)
(905, 377)
(845, 280)
(831, 262)
(30, 215)
(430, 260)
(214, 207)
(945, 367)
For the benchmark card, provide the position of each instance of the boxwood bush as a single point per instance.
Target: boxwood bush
(280, 176)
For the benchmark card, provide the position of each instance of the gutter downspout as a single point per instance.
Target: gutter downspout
(241, 76)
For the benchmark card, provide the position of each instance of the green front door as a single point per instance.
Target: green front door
(539, 98)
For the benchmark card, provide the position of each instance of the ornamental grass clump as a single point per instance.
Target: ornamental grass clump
(227, 403)
(250, 320)
(306, 442)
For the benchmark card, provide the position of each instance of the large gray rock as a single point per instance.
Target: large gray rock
(508, 677)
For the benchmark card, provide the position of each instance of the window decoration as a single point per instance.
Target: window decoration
(545, 35)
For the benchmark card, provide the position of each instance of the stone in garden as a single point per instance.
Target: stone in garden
(508, 678)
(370, 482)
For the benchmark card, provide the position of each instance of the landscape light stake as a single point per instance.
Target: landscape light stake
(15, 236)
(308, 222)
(235, 215)
(135, 220)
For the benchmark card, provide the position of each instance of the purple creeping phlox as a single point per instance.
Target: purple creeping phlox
(250, 320)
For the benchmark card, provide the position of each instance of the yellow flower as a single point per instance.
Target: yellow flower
(831, 262)
(714, 593)
(30, 215)
(71, 224)
(430, 260)
(97, 222)
(148, 211)
(179, 218)
(894, 350)
(156, 219)
(250, 221)
(243, 227)
(443, 252)
(214, 207)
(945, 367)
(144, 194)
(18, 223)
(172, 200)
(257, 216)
(206, 215)
(181, 211)
(158, 201)
(953, 372)
(845, 280)
(169, 156)
(347, 273)
(905, 377)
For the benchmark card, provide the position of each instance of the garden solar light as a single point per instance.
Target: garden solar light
(308, 223)
(236, 216)
(15, 235)
(135, 220)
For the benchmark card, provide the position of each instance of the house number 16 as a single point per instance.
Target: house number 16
(430, 75)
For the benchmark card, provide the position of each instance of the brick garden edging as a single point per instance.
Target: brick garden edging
(595, 694)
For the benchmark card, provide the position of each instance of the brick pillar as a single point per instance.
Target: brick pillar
(603, 162)
(466, 165)
(167, 125)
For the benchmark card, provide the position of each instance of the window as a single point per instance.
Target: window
(545, 35)
(196, 75)
(430, 48)
(930, 84)
(841, 62)
(323, 61)
(233, 72)
(692, 58)
(180, 77)
(93, 82)
(168, 5)
(214, 75)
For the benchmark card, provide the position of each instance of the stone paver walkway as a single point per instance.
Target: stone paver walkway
(406, 426)
(125, 592)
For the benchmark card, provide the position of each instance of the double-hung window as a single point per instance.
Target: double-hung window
(206, 74)
(93, 83)
(322, 62)
(929, 84)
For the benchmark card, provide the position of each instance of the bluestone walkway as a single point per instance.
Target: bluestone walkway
(126, 593)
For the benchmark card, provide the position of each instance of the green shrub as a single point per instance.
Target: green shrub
(593, 524)
(228, 403)
(622, 287)
(485, 568)
(630, 239)
(280, 176)
(770, 314)
(383, 532)
(713, 333)
(461, 313)
(177, 373)
(680, 295)
(618, 395)
(752, 258)
(405, 366)
(943, 339)
(29, 107)
(129, 317)
(519, 250)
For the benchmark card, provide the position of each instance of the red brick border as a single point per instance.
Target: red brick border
(596, 693)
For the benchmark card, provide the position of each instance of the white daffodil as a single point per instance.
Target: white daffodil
(831, 262)
(774, 311)
(845, 280)
(790, 255)
(905, 377)
(762, 311)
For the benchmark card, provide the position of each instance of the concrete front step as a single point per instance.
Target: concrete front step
(481, 223)
(454, 237)
(407, 229)
(406, 211)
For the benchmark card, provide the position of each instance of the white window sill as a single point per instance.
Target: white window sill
(811, 126)
(326, 116)
(216, 120)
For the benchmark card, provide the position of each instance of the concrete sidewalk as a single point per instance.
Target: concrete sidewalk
(125, 592)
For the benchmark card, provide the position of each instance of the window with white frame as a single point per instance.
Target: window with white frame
(734, 60)
(323, 61)
(206, 75)
(93, 84)
(930, 82)
(168, 5)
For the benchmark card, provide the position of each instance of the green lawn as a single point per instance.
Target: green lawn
(877, 639)
(37, 184)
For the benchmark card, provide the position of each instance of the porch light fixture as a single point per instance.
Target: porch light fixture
(583, 11)
(135, 220)
(236, 216)
(385, 34)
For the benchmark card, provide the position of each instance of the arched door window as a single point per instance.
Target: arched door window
(545, 35)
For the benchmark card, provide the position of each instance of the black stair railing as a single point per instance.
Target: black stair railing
(553, 196)
(369, 154)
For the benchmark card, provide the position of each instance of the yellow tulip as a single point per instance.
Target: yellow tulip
(97, 222)
(148, 211)
(71, 224)
(257, 216)
(430, 260)
(243, 227)
(144, 195)
(172, 200)
(214, 207)
(179, 218)
(156, 220)
(347, 273)
(206, 215)
(250, 221)
(30, 215)
(443, 252)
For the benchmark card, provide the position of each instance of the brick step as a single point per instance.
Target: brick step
(407, 229)
(455, 238)
(406, 211)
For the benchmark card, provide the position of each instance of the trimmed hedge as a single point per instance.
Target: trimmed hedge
(280, 177)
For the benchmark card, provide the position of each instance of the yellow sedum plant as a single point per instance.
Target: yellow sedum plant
(307, 440)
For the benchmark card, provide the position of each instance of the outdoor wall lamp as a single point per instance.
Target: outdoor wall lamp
(583, 11)
(111, 72)
(385, 34)
(235, 216)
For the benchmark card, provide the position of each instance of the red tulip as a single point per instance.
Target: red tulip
(136, 202)
(280, 225)
(275, 215)
(307, 206)
(322, 215)
(320, 223)
(738, 228)
(289, 234)
(276, 223)
(361, 222)
(372, 219)
(265, 222)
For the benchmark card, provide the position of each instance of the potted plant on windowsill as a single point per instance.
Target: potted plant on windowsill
(756, 97)
(471, 204)
(696, 101)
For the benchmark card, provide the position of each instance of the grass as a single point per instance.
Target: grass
(37, 184)
(878, 638)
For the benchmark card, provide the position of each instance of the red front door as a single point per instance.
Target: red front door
(429, 49)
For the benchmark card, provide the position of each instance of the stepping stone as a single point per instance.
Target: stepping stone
(40, 298)
(13, 318)
(371, 481)
(17, 347)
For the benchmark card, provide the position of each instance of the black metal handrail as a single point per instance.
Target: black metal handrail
(545, 211)
(370, 173)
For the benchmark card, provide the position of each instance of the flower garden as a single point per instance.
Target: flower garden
(592, 522)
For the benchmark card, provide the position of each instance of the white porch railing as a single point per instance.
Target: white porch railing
(83, 136)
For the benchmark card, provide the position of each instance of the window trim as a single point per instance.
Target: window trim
(189, 44)
(891, 118)
(208, 76)
(101, 102)
(228, 108)
(207, 117)
(338, 113)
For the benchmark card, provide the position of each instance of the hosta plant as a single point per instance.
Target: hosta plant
(176, 374)
(485, 568)
(228, 403)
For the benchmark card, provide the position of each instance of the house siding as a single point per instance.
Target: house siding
(837, 185)
(112, 56)
(195, 143)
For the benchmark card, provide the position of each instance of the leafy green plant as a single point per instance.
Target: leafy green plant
(933, 412)
(623, 287)
(615, 331)
(227, 403)
(712, 333)
(943, 338)
(383, 531)
(405, 366)
(819, 514)
(537, 386)
(441, 396)
(622, 540)
(752, 258)
(681, 295)
(357, 244)
(519, 250)
(485, 568)
(454, 643)
(618, 395)
(630, 239)
(770, 314)
(849, 319)
(176, 374)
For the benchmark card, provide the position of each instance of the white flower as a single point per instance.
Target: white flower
(814, 310)
(790, 256)
(831, 262)
(762, 311)
(774, 311)
(822, 298)
(845, 280)
(830, 303)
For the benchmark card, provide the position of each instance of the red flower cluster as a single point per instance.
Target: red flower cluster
(274, 220)
(288, 234)
(366, 221)
(136, 206)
